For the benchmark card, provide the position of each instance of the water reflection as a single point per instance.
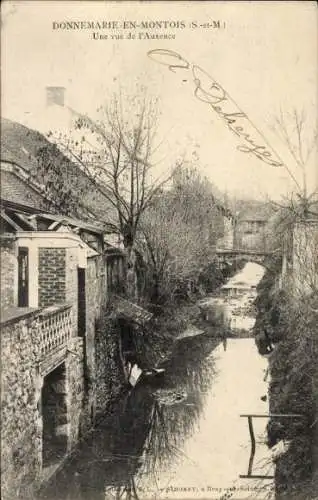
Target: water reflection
(182, 431)
(145, 434)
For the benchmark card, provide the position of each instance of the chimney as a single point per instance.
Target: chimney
(55, 95)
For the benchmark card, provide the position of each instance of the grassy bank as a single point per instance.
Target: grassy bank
(292, 327)
(156, 342)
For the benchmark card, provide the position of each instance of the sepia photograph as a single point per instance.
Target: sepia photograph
(159, 250)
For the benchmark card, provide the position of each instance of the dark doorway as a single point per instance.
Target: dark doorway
(81, 302)
(54, 414)
(127, 338)
(23, 277)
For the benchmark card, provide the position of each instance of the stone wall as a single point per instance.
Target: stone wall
(51, 276)
(116, 274)
(20, 436)
(93, 313)
(75, 390)
(93, 370)
(109, 369)
(305, 257)
(104, 365)
(71, 280)
(24, 371)
(9, 271)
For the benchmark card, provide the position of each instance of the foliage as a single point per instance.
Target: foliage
(292, 326)
(178, 236)
(62, 184)
(294, 389)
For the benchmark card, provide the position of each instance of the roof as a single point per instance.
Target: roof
(20, 195)
(93, 228)
(21, 218)
(20, 146)
(17, 190)
(130, 311)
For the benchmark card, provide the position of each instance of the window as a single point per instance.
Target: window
(81, 302)
(23, 277)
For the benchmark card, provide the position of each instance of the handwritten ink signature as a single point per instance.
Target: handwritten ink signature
(208, 90)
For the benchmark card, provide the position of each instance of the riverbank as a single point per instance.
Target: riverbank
(180, 435)
(182, 439)
(292, 327)
(152, 343)
(170, 322)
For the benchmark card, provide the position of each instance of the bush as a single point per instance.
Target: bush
(293, 389)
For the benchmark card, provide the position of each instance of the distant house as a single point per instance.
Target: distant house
(250, 227)
(57, 274)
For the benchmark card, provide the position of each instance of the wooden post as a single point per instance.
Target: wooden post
(253, 445)
(250, 417)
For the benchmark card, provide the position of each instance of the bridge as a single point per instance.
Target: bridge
(235, 254)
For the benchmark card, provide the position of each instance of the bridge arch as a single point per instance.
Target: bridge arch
(234, 255)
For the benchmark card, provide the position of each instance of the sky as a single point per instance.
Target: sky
(263, 55)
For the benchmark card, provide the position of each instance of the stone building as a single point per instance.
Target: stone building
(57, 275)
(299, 273)
(250, 231)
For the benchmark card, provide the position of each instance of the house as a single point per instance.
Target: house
(59, 367)
(250, 226)
(250, 232)
(292, 236)
(299, 272)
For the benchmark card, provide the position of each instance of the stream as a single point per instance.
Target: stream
(182, 437)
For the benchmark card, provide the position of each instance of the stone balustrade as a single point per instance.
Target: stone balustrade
(55, 328)
(47, 329)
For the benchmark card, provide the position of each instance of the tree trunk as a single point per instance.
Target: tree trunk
(131, 277)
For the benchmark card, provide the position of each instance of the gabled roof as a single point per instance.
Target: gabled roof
(20, 146)
(17, 190)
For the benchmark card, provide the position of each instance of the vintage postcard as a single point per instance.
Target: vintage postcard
(159, 250)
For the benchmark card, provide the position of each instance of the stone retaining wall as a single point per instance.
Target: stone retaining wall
(23, 374)
(20, 436)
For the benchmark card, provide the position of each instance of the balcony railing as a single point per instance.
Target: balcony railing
(55, 328)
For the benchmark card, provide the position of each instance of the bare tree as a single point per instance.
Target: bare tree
(293, 230)
(170, 248)
(301, 143)
(116, 154)
(122, 166)
(179, 235)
